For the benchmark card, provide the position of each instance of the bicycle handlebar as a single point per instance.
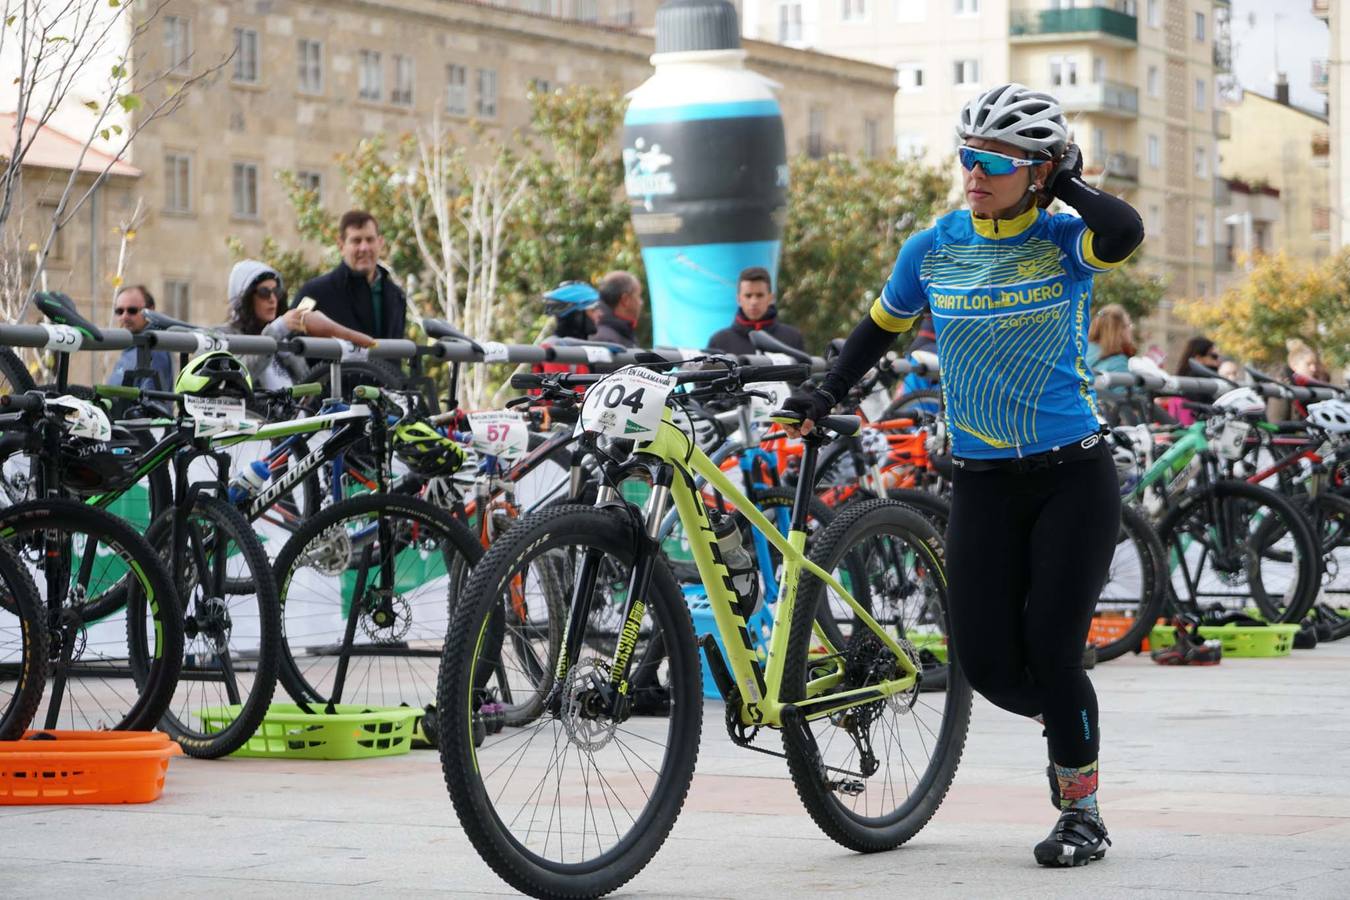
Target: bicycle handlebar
(29, 402)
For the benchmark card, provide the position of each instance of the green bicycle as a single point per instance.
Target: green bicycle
(577, 801)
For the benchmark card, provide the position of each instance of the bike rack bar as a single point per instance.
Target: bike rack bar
(1209, 387)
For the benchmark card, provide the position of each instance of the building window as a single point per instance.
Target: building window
(487, 93)
(402, 94)
(177, 42)
(1099, 144)
(1154, 82)
(966, 72)
(176, 300)
(540, 86)
(1063, 71)
(967, 7)
(177, 183)
(1098, 70)
(456, 90)
(789, 22)
(909, 77)
(246, 56)
(309, 57)
(371, 76)
(1199, 26)
(1154, 151)
(1154, 12)
(309, 180)
(911, 10)
(245, 195)
(1321, 219)
(1200, 91)
(1154, 222)
(853, 10)
(1201, 230)
(815, 133)
(871, 138)
(1201, 163)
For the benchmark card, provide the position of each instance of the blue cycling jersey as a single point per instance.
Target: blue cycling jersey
(1010, 301)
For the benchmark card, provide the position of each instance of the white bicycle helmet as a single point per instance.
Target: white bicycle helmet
(1017, 115)
(83, 419)
(1330, 415)
(1243, 401)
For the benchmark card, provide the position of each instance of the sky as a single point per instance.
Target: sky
(1267, 30)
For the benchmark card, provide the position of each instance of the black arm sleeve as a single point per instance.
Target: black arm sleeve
(861, 351)
(1116, 227)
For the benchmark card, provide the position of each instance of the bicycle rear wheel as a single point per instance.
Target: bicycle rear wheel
(366, 596)
(115, 626)
(578, 800)
(232, 628)
(872, 775)
(23, 647)
(1135, 586)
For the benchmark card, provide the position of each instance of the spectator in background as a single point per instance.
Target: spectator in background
(1304, 368)
(1204, 351)
(755, 312)
(129, 306)
(359, 294)
(1111, 342)
(620, 309)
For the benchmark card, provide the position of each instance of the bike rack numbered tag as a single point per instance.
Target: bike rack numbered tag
(494, 351)
(209, 343)
(353, 353)
(628, 404)
(1232, 439)
(761, 409)
(63, 338)
(215, 415)
(779, 359)
(498, 432)
(598, 355)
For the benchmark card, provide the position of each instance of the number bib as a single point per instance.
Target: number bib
(214, 415)
(499, 433)
(1232, 439)
(627, 404)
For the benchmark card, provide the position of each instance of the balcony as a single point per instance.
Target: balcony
(1108, 98)
(1321, 148)
(1092, 23)
(1120, 168)
(1223, 124)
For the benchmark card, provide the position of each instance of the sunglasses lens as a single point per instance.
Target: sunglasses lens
(992, 163)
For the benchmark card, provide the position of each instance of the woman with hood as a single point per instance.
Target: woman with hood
(257, 301)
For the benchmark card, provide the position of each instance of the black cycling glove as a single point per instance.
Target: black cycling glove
(1069, 167)
(811, 403)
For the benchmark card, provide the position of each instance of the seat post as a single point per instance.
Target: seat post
(806, 479)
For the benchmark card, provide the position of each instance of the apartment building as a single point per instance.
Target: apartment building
(1284, 147)
(1332, 77)
(309, 79)
(1136, 77)
(1249, 217)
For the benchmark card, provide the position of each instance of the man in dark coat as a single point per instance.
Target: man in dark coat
(620, 309)
(754, 297)
(360, 293)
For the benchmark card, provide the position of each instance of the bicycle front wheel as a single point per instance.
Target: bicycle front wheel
(114, 624)
(23, 647)
(873, 774)
(574, 802)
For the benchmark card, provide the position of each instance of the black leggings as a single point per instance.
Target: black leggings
(1027, 556)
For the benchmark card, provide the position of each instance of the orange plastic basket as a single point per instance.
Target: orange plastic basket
(85, 767)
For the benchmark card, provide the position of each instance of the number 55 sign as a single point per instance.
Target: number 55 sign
(627, 404)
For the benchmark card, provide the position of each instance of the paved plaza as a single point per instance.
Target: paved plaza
(1217, 782)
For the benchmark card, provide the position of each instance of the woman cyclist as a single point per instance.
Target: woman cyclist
(1035, 503)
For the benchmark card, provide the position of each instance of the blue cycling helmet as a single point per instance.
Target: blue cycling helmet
(570, 297)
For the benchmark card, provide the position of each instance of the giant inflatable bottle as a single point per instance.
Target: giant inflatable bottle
(705, 167)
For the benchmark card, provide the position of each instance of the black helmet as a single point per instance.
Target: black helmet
(90, 467)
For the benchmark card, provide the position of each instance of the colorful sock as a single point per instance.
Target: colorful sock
(1077, 787)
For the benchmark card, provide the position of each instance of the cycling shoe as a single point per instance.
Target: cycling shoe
(1189, 650)
(1077, 838)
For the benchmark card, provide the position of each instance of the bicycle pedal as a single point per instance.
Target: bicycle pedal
(849, 786)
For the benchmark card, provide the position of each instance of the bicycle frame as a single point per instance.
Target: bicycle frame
(676, 461)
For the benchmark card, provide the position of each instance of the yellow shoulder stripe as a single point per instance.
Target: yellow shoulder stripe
(893, 324)
(1091, 258)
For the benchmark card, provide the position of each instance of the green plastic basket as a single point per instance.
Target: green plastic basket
(350, 732)
(1237, 640)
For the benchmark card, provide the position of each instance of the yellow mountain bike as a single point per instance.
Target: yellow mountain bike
(576, 801)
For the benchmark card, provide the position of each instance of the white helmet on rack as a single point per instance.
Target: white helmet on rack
(1243, 401)
(1331, 415)
(1017, 115)
(83, 419)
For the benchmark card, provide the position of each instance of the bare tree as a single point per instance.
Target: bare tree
(461, 208)
(58, 46)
